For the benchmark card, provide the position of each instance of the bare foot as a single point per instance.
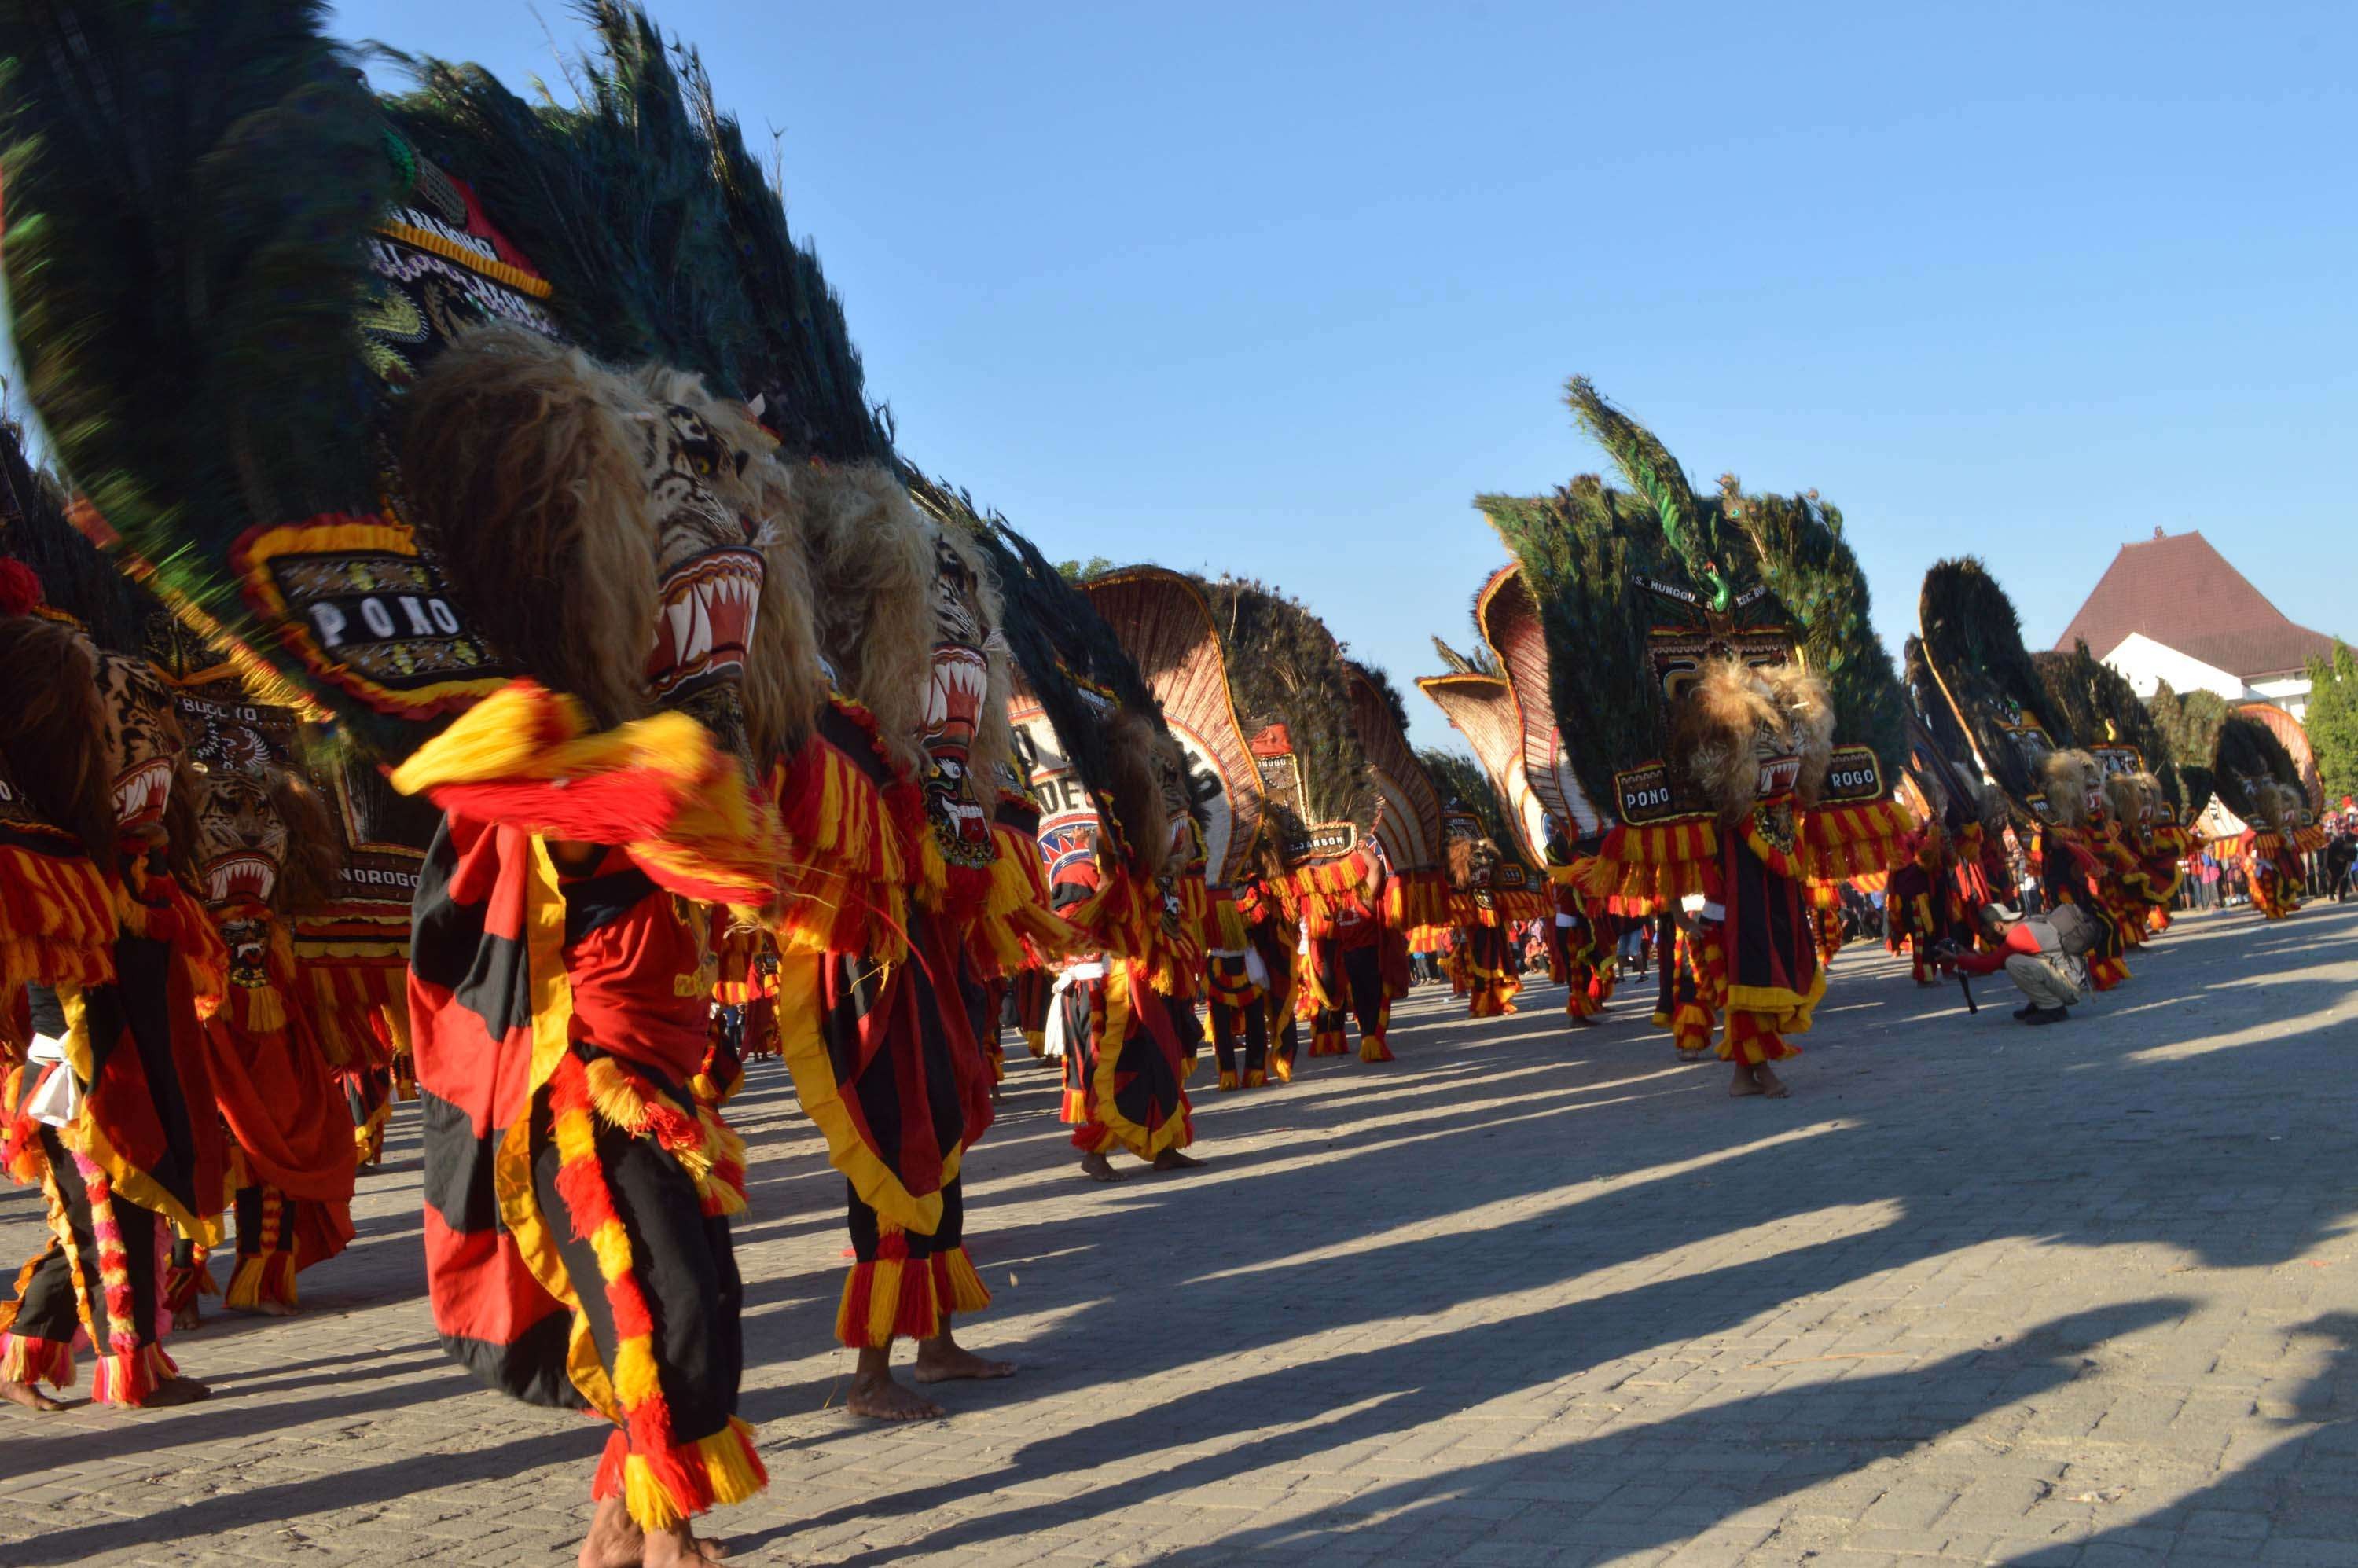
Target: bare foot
(1770, 1084)
(31, 1398)
(1097, 1168)
(1172, 1160)
(177, 1392)
(679, 1548)
(879, 1398)
(615, 1539)
(271, 1309)
(1744, 1082)
(943, 1359)
(186, 1318)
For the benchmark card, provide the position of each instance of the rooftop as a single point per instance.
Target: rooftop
(2180, 591)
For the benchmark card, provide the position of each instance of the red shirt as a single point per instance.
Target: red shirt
(2019, 939)
(642, 966)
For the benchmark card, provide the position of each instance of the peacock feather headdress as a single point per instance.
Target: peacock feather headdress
(2098, 705)
(1643, 590)
(1974, 650)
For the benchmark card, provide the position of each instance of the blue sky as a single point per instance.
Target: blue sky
(1276, 290)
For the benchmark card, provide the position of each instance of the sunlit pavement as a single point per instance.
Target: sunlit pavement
(2077, 1294)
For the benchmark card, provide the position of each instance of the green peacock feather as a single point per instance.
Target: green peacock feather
(614, 197)
(1693, 531)
(1799, 554)
(1285, 667)
(1972, 646)
(2249, 750)
(801, 362)
(189, 191)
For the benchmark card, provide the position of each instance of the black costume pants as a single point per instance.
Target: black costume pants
(46, 1306)
(683, 1264)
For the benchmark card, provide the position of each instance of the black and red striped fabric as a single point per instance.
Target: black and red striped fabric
(470, 1025)
(1771, 941)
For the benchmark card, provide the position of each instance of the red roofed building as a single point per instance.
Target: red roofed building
(2171, 609)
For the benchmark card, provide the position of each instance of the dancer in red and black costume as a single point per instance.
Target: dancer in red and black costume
(1582, 936)
(115, 1118)
(577, 1193)
(1357, 967)
(2077, 861)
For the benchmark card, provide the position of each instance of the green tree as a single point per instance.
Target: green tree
(2332, 721)
(1084, 571)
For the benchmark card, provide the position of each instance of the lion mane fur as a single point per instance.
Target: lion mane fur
(2280, 806)
(2064, 778)
(870, 568)
(517, 467)
(1809, 710)
(2126, 795)
(315, 846)
(1712, 733)
(52, 730)
(1135, 783)
(1992, 806)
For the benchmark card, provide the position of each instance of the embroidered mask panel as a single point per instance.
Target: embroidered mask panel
(958, 685)
(241, 838)
(142, 741)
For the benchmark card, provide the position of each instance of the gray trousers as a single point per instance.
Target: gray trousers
(2042, 980)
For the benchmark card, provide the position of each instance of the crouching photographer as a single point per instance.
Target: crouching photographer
(2045, 955)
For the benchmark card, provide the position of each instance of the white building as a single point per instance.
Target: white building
(2171, 609)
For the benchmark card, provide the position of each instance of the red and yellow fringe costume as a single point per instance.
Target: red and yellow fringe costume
(1758, 961)
(131, 1166)
(2272, 868)
(1237, 1004)
(2080, 866)
(520, 1034)
(1131, 1033)
(872, 937)
(276, 1091)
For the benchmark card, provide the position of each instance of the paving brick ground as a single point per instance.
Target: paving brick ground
(2074, 1295)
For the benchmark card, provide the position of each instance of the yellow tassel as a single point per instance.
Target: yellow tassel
(884, 1299)
(614, 1096)
(634, 1367)
(245, 1284)
(651, 1507)
(968, 1293)
(265, 1013)
(575, 1137)
(730, 1465)
(612, 1242)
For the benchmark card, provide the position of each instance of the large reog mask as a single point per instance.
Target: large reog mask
(604, 530)
(1734, 744)
(2074, 785)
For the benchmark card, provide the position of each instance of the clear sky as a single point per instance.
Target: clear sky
(1275, 289)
